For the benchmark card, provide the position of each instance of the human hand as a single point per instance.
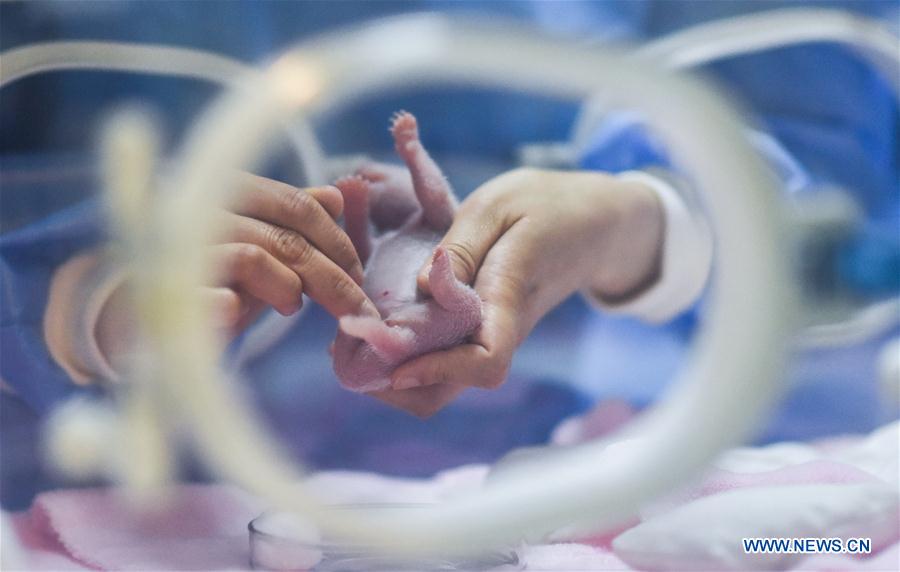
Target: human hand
(423, 402)
(526, 240)
(279, 241)
(276, 243)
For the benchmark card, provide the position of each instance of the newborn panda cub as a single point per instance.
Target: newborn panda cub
(395, 219)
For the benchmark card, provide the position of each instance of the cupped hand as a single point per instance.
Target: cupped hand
(526, 240)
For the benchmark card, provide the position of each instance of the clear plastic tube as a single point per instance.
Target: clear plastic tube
(774, 29)
(114, 56)
(19, 63)
(734, 370)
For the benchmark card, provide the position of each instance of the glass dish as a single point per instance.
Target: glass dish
(285, 541)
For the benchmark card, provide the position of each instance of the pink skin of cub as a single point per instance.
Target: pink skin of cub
(413, 212)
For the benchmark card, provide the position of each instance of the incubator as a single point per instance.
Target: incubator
(735, 367)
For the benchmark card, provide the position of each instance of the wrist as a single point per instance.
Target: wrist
(628, 245)
(79, 294)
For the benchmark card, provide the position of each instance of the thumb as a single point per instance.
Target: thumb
(467, 243)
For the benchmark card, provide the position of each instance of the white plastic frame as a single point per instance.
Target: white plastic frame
(19, 63)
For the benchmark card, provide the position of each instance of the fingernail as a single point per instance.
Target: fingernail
(406, 383)
(292, 309)
(289, 311)
(370, 309)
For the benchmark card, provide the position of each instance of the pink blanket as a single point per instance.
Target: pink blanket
(201, 527)
(204, 526)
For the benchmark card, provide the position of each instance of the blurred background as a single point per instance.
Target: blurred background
(576, 359)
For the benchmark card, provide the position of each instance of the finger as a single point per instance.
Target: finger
(322, 279)
(474, 231)
(469, 365)
(300, 211)
(234, 311)
(423, 402)
(226, 306)
(327, 195)
(255, 271)
(330, 198)
(252, 308)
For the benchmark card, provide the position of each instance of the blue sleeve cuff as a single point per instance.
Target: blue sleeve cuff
(28, 257)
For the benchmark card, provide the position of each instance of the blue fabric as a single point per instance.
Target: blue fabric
(248, 31)
(824, 118)
(28, 257)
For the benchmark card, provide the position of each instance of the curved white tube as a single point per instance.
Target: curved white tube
(116, 56)
(873, 320)
(717, 40)
(721, 39)
(735, 367)
(19, 63)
